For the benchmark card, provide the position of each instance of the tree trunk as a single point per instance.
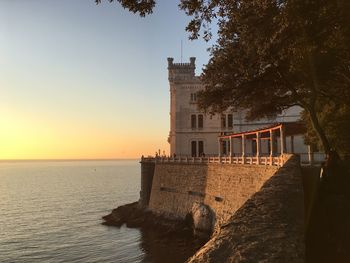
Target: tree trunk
(319, 130)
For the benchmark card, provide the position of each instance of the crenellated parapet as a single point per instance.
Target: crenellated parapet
(181, 71)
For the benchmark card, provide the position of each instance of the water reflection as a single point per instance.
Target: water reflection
(160, 248)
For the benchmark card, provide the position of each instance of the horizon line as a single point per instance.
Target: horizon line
(66, 159)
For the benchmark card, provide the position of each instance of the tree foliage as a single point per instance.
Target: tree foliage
(272, 54)
(335, 119)
(142, 7)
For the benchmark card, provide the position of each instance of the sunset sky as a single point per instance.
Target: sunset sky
(84, 81)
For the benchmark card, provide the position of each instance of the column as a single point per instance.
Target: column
(282, 140)
(271, 142)
(243, 145)
(272, 138)
(219, 145)
(257, 144)
(258, 147)
(228, 147)
(310, 154)
(231, 148)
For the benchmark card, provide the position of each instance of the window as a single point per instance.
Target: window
(197, 149)
(200, 121)
(224, 148)
(230, 121)
(227, 121)
(200, 148)
(193, 121)
(194, 148)
(223, 121)
(193, 97)
(197, 121)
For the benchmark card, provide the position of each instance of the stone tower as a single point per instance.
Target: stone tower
(192, 133)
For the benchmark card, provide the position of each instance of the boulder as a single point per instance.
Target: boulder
(203, 218)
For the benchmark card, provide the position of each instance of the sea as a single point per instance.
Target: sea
(50, 211)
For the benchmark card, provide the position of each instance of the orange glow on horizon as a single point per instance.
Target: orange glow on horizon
(27, 137)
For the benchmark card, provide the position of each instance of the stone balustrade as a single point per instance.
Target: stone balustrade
(305, 159)
(267, 160)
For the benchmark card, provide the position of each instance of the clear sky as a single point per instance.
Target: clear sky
(84, 81)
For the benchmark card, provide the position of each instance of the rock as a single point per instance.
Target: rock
(203, 219)
(136, 217)
(120, 215)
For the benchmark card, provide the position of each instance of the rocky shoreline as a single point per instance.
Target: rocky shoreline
(135, 217)
(162, 239)
(268, 227)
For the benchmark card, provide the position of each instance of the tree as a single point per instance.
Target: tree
(271, 54)
(336, 122)
(142, 7)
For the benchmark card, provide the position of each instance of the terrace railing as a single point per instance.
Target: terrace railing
(267, 160)
(305, 159)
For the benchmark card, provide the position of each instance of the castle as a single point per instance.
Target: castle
(224, 174)
(194, 133)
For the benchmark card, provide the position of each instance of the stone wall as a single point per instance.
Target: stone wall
(269, 227)
(147, 173)
(222, 187)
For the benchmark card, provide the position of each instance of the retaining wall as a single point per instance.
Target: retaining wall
(269, 227)
(147, 173)
(223, 187)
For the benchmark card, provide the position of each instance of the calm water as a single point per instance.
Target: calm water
(51, 212)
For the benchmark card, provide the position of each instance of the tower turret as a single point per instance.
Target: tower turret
(181, 71)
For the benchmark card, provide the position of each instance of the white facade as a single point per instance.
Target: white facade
(194, 133)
